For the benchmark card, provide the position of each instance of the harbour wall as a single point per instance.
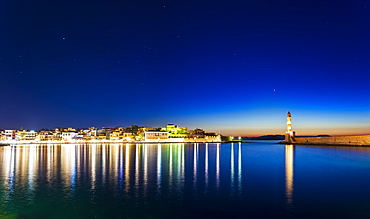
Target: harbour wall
(359, 140)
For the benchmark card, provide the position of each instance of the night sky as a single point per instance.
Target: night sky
(231, 66)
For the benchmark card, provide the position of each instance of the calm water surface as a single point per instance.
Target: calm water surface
(233, 180)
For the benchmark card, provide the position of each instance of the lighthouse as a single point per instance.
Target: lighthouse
(289, 134)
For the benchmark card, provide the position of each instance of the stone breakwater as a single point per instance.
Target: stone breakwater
(359, 140)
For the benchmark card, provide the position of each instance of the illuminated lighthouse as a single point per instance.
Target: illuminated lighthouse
(289, 134)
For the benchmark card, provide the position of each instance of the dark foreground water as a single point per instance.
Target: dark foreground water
(256, 180)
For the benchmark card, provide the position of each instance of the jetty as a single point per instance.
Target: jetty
(358, 140)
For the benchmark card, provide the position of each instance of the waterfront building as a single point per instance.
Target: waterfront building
(100, 137)
(57, 136)
(113, 135)
(45, 136)
(9, 135)
(197, 133)
(26, 135)
(175, 131)
(117, 134)
(69, 136)
(155, 136)
(92, 131)
(2, 135)
(127, 136)
(89, 133)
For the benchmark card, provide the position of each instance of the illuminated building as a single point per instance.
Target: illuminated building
(46, 136)
(24, 135)
(176, 132)
(114, 135)
(197, 133)
(9, 135)
(289, 134)
(69, 136)
(155, 136)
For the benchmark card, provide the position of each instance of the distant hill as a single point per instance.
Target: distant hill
(266, 137)
(277, 137)
(306, 136)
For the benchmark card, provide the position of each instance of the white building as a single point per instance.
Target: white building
(69, 136)
(26, 135)
(155, 136)
(9, 135)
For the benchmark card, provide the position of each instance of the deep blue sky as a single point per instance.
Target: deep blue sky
(230, 66)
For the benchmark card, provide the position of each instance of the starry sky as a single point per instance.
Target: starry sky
(235, 67)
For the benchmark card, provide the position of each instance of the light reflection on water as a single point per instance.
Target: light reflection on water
(289, 165)
(163, 180)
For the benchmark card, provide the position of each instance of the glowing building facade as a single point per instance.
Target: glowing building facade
(175, 131)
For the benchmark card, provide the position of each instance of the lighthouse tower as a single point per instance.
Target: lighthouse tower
(289, 134)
